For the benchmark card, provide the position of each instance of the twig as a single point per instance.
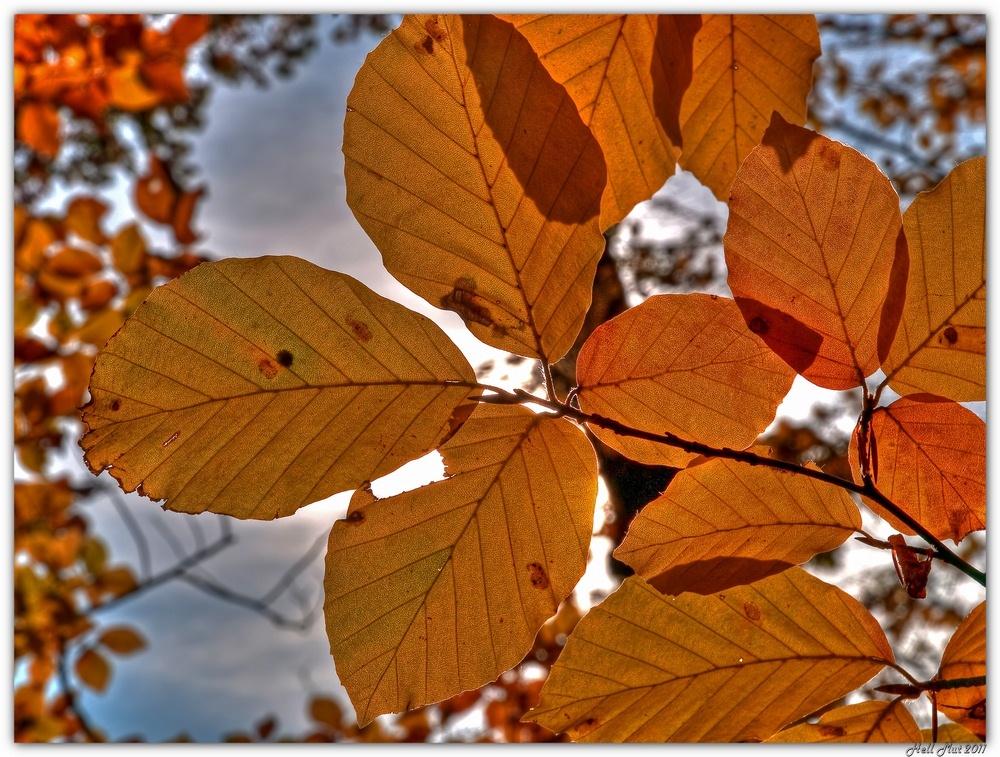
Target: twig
(141, 543)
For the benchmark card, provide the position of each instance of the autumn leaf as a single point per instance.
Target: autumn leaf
(737, 666)
(617, 69)
(940, 345)
(951, 733)
(745, 67)
(685, 364)
(870, 722)
(930, 459)
(159, 197)
(253, 387)
(128, 249)
(126, 88)
(724, 523)
(814, 231)
(965, 657)
(326, 712)
(439, 590)
(38, 127)
(93, 670)
(122, 640)
(482, 191)
(83, 217)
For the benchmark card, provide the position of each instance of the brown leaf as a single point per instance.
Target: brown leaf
(481, 191)
(965, 657)
(910, 569)
(327, 712)
(129, 249)
(122, 640)
(93, 670)
(870, 722)
(814, 229)
(83, 216)
(155, 193)
(951, 733)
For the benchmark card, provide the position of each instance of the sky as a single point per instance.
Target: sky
(273, 164)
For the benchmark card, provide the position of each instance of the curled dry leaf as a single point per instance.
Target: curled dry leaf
(685, 364)
(871, 722)
(482, 191)
(929, 457)
(940, 345)
(622, 72)
(910, 569)
(744, 68)
(724, 523)
(736, 666)
(441, 589)
(814, 235)
(965, 657)
(253, 387)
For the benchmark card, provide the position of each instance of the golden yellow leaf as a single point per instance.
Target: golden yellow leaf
(965, 657)
(100, 326)
(122, 640)
(930, 459)
(93, 670)
(481, 191)
(327, 712)
(439, 590)
(814, 232)
(725, 523)
(736, 666)
(128, 249)
(745, 67)
(253, 387)
(683, 363)
(126, 89)
(83, 216)
(951, 733)
(617, 71)
(872, 722)
(940, 345)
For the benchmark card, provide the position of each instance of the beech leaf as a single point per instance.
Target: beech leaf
(871, 722)
(252, 387)
(940, 345)
(951, 733)
(93, 671)
(736, 666)
(965, 657)
(617, 69)
(724, 523)
(930, 459)
(122, 640)
(814, 232)
(745, 67)
(439, 590)
(683, 363)
(470, 169)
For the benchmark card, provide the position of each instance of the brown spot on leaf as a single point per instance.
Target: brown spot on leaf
(435, 30)
(356, 517)
(832, 731)
(758, 325)
(285, 358)
(425, 46)
(950, 335)
(471, 306)
(360, 330)
(115, 406)
(539, 578)
(586, 726)
(828, 154)
(267, 367)
(978, 711)
(752, 611)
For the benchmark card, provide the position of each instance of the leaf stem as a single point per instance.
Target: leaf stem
(867, 489)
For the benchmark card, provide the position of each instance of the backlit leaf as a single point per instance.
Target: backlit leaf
(814, 231)
(930, 459)
(736, 666)
(481, 190)
(726, 523)
(871, 722)
(683, 363)
(965, 657)
(126, 89)
(439, 590)
(951, 733)
(38, 127)
(940, 345)
(93, 670)
(616, 70)
(745, 67)
(253, 387)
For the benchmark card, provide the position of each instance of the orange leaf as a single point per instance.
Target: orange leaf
(155, 193)
(814, 230)
(745, 67)
(38, 127)
(166, 77)
(97, 294)
(128, 249)
(482, 191)
(93, 670)
(187, 29)
(866, 722)
(725, 523)
(126, 89)
(37, 238)
(910, 569)
(183, 212)
(326, 711)
(617, 71)
(122, 641)
(930, 459)
(683, 363)
(83, 217)
(940, 346)
(965, 657)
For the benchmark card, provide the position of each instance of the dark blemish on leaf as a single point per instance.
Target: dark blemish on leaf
(285, 358)
(950, 335)
(978, 711)
(828, 154)
(539, 579)
(751, 610)
(425, 46)
(713, 296)
(356, 517)
(758, 325)
(267, 367)
(464, 301)
(586, 726)
(115, 406)
(360, 330)
(832, 731)
(500, 620)
(434, 29)
(173, 438)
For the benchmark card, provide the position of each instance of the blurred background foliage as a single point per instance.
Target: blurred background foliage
(99, 97)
